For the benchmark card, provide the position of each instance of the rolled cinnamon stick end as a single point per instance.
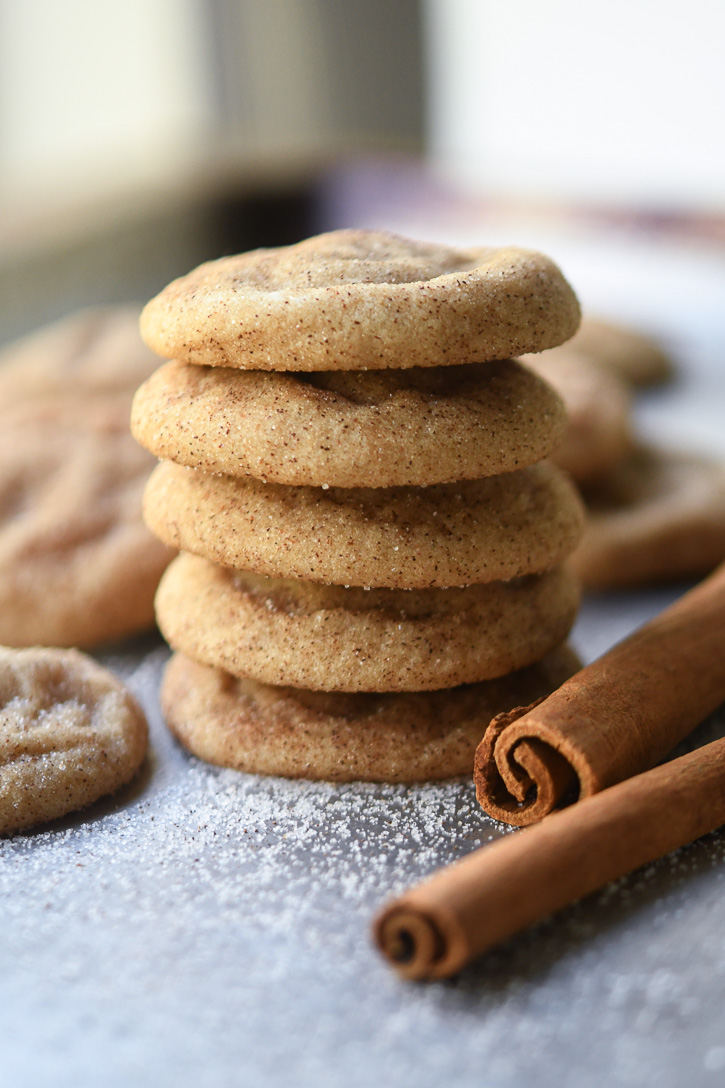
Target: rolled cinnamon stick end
(433, 930)
(614, 718)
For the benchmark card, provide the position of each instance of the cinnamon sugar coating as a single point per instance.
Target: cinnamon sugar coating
(351, 428)
(409, 538)
(400, 737)
(332, 638)
(357, 300)
(69, 734)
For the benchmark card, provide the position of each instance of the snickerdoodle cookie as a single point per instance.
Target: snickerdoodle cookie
(77, 564)
(362, 300)
(446, 535)
(599, 410)
(350, 428)
(69, 734)
(332, 638)
(94, 351)
(635, 357)
(401, 737)
(658, 517)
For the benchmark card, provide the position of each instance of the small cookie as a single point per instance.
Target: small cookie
(402, 537)
(69, 734)
(93, 351)
(381, 428)
(77, 565)
(659, 517)
(332, 638)
(406, 737)
(633, 356)
(362, 300)
(598, 406)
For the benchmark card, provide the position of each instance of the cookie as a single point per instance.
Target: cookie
(402, 537)
(403, 737)
(332, 638)
(633, 356)
(598, 406)
(77, 565)
(659, 517)
(69, 734)
(382, 428)
(93, 351)
(362, 300)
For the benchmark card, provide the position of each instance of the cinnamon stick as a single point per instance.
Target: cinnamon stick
(614, 718)
(433, 930)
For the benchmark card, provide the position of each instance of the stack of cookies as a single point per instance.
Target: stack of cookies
(371, 543)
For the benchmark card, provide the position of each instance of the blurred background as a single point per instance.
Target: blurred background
(139, 138)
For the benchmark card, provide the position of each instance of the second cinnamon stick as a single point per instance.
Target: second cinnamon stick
(434, 929)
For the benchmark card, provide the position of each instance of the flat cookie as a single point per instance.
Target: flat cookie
(93, 351)
(352, 428)
(362, 300)
(408, 737)
(659, 517)
(405, 538)
(381, 428)
(598, 406)
(332, 638)
(633, 356)
(69, 734)
(77, 565)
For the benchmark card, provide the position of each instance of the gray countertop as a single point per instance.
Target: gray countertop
(210, 928)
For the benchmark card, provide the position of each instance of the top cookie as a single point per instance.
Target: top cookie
(357, 300)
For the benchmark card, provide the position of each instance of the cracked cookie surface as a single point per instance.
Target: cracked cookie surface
(70, 733)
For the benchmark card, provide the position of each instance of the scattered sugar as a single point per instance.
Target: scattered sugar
(237, 908)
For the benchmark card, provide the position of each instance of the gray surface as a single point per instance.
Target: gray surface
(210, 928)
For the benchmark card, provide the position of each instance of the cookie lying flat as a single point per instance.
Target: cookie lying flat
(357, 300)
(94, 351)
(633, 356)
(353, 428)
(69, 734)
(598, 406)
(408, 737)
(659, 517)
(332, 638)
(405, 538)
(77, 564)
